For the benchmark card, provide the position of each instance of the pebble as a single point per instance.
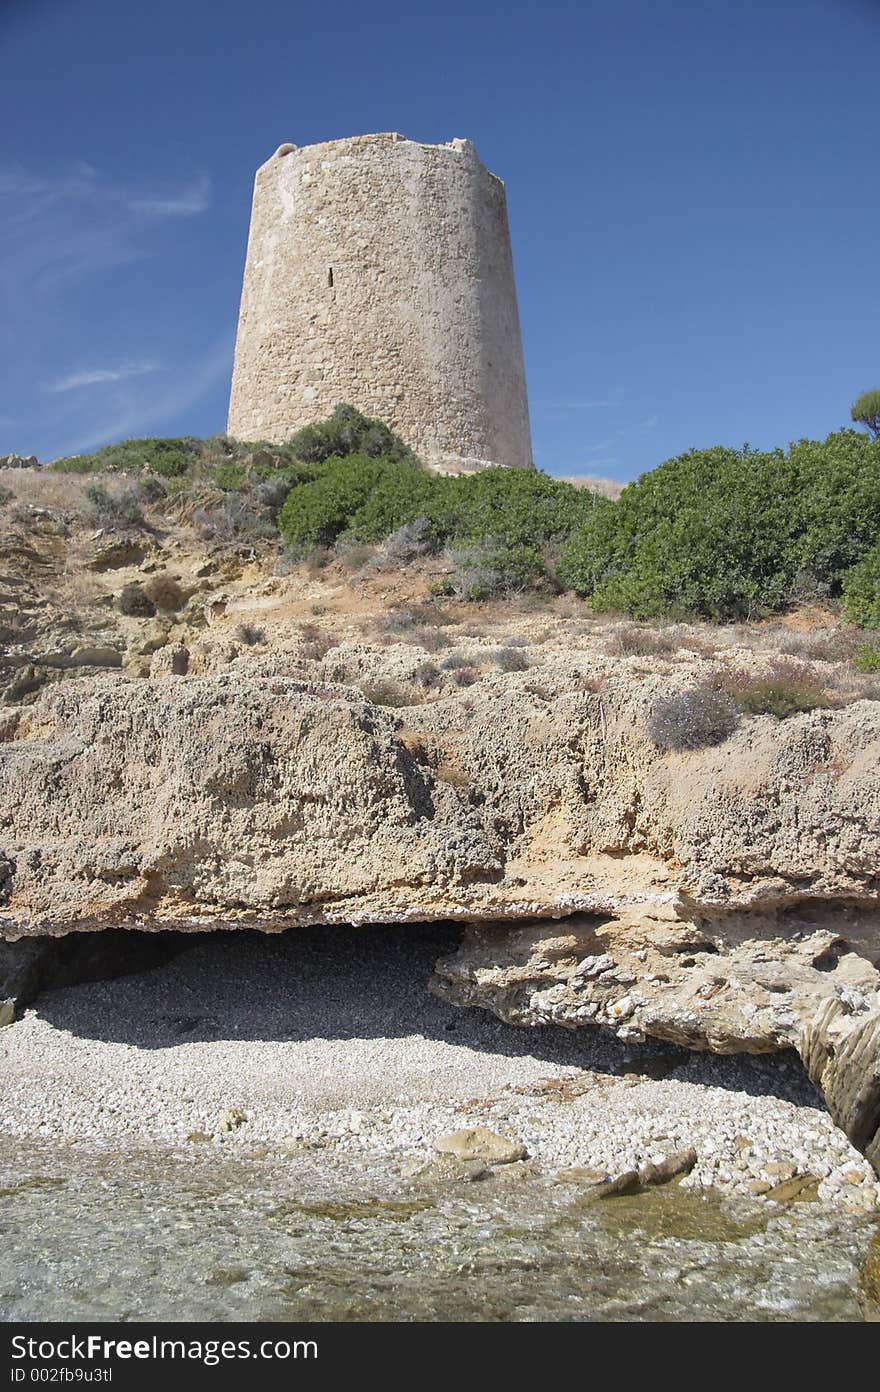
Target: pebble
(340, 1082)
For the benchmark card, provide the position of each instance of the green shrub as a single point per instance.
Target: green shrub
(347, 432)
(317, 513)
(231, 478)
(861, 591)
(724, 534)
(6, 494)
(836, 502)
(866, 658)
(167, 458)
(786, 687)
(174, 469)
(395, 499)
(692, 719)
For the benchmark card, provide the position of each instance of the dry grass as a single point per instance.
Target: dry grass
(166, 592)
(636, 640)
(316, 642)
(39, 488)
(821, 644)
(389, 693)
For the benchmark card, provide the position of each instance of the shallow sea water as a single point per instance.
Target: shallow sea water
(104, 1236)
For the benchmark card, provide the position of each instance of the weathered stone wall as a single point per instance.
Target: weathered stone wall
(379, 273)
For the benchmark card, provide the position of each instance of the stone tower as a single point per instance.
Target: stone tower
(379, 273)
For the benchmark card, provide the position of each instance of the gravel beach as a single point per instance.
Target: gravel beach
(329, 1041)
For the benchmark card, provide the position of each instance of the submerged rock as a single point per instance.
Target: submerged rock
(479, 1143)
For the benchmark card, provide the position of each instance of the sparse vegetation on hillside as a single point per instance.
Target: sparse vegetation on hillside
(785, 687)
(717, 534)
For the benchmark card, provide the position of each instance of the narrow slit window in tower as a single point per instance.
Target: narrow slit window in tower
(330, 277)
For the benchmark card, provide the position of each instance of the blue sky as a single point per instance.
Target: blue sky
(692, 187)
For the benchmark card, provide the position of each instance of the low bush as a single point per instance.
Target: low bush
(316, 642)
(405, 618)
(490, 570)
(786, 687)
(466, 675)
(861, 591)
(6, 494)
(510, 659)
(118, 508)
(431, 639)
(231, 519)
(456, 660)
(249, 634)
(817, 645)
(692, 719)
(354, 555)
(427, 674)
(166, 593)
(135, 603)
(388, 693)
(411, 541)
(867, 658)
(724, 534)
(318, 559)
(630, 641)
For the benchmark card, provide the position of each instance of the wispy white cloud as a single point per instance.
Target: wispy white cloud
(59, 228)
(650, 422)
(134, 409)
(189, 203)
(95, 376)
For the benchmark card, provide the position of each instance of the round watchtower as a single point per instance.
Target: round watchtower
(379, 273)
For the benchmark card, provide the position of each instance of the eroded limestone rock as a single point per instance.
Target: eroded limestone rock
(717, 899)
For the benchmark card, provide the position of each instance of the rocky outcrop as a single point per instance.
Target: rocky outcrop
(841, 1052)
(726, 898)
(246, 797)
(19, 461)
(735, 988)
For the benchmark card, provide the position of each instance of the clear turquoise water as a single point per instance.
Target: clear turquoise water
(103, 1236)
